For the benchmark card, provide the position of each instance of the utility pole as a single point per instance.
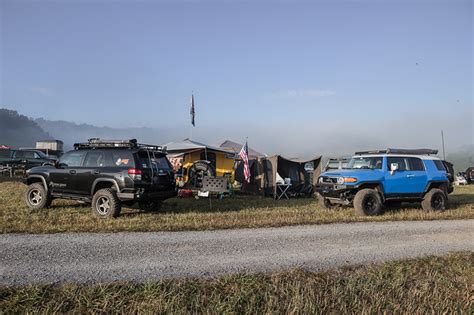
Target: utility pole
(442, 140)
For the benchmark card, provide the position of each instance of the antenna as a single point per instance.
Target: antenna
(442, 140)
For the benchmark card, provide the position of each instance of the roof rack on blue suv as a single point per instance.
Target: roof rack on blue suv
(376, 178)
(400, 151)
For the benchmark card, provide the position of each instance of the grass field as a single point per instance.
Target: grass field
(436, 285)
(191, 214)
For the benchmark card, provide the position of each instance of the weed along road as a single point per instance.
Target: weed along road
(105, 257)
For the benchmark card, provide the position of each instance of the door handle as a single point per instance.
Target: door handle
(410, 175)
(96, 172)
(72, 172)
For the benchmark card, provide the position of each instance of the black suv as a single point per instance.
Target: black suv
(106, 174)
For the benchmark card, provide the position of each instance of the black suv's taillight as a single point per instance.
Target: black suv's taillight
(135, 173)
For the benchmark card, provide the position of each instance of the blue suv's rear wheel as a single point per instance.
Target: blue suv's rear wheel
(368, 202)
(434, 200)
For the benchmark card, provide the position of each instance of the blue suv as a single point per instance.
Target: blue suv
(373, 179)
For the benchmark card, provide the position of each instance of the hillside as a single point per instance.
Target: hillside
(18, 130)
(71, 133)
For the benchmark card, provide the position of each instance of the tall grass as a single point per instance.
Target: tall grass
(192, 214)
(427, 285)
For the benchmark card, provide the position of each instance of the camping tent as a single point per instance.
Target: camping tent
(302, 173)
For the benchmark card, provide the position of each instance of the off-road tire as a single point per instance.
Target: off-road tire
(323, 202)
(105, 203)
(434, 200)
(150, 206)
(36, 197)
(367, 202)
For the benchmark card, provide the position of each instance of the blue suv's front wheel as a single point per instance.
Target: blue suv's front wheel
(368, 202)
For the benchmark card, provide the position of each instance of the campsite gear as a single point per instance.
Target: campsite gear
(264, 175)
(198, 172)
(281, 191)
(216, 184)
(189, 151)
(185, 193)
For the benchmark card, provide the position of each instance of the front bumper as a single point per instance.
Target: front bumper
(334, 191)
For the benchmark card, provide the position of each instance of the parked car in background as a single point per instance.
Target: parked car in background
(26, 158)
(460, 179)
(105, 174)
(470, 175)
(373, 179)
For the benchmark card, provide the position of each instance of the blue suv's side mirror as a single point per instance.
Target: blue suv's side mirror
(393, 168)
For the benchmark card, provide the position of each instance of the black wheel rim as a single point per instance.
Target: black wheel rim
(437, 202)
(34, 197)
(102, 205)
(370, 204)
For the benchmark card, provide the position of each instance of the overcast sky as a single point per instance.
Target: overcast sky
(297, 77)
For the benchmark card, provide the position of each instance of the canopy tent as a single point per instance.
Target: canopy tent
(302, 173)
(236, 147)
(185, 153)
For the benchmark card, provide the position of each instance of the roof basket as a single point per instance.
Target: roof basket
(400, 151)
(131, 144)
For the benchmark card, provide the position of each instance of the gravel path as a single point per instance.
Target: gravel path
(105, 257)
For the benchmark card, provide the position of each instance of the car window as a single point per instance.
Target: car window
(162, 163)
(416, 164)
(401, 161)
(94, 159)
(374, 163)
(29, 154)
(116, 158)
(72, 159)
(439, 165)
(19, 154)
(5, 153)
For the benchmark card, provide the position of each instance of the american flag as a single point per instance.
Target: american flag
(192, 112)
(244, 155)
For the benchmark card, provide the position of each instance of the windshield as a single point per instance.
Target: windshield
(372, 163)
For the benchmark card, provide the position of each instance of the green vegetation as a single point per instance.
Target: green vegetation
(191, 214)
(437, 285)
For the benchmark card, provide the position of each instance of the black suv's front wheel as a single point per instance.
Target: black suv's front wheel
(368, 202)
(105, 203)
(36, 197)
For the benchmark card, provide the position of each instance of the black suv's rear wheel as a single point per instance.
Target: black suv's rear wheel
(36, 197)
(368, 202)
(434, 200)
(105, 203)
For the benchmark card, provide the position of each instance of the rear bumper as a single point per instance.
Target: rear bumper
(144, 195)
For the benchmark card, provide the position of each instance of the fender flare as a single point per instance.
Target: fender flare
(98, 180)
(43, 180)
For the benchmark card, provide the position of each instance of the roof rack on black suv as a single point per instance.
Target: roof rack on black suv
(132, 144)
(106, 174)
(400, 151)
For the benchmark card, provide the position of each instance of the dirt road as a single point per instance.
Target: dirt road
(105, 257)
